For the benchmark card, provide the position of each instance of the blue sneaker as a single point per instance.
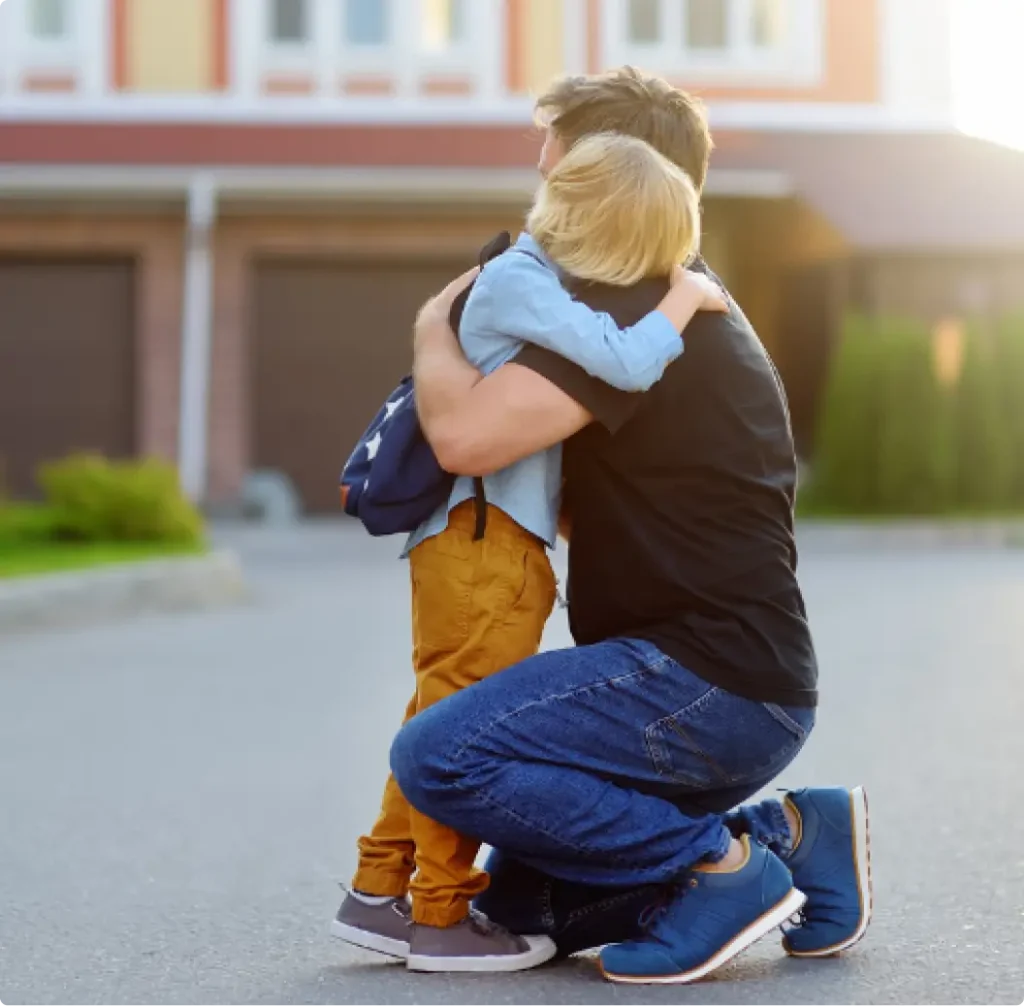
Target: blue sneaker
(710, 919)
(831, 864)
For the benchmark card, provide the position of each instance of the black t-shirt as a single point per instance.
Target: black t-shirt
(681, 500)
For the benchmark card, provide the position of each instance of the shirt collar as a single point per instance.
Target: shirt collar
(527, 244)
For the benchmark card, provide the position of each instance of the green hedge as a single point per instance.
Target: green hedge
(91, 499)
(893, 439)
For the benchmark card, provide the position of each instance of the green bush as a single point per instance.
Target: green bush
(28, 522)
(850, 426)
(100, 500)
(893, 439)
(983, 444)
(915, 463)
(1009, 375)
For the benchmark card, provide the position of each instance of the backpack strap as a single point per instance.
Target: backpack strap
(480, 501)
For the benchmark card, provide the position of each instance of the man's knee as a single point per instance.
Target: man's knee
(418, 760)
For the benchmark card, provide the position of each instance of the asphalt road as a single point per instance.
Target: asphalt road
(179, 795)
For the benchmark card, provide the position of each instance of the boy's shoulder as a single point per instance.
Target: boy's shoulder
(507, 276)
(494, 248)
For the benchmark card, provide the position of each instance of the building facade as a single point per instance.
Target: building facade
(218, 217)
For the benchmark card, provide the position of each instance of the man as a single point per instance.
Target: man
(603, 772)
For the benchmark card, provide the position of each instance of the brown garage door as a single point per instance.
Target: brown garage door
(331, 340)
(66, 363)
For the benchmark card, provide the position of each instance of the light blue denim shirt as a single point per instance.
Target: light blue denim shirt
(518, 298)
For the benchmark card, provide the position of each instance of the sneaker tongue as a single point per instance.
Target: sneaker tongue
(493, 930)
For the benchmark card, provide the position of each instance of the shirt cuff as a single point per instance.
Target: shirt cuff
(663, 336)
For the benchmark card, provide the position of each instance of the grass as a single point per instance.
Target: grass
(38, 558)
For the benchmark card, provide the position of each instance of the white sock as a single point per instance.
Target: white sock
(370, 899)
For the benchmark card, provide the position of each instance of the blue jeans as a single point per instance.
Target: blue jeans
(607, 765)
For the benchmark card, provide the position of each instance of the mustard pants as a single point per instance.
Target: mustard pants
(477, 608)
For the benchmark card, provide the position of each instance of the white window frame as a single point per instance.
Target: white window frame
(82, 50)
(47, 53)
(741, 62)
(278, 55)
(326, 56)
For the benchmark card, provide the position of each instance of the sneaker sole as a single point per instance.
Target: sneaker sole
(757, 930)
(862, 862)
(541, 951)
(366, 940)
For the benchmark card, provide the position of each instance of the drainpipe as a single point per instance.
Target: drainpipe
(196, 329)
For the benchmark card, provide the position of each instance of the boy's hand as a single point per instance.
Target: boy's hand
(707, 294)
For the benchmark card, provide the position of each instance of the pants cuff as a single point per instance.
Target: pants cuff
(380, 885)
(441, 916)
(721, 850)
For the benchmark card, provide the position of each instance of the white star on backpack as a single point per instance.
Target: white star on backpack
(373, 445)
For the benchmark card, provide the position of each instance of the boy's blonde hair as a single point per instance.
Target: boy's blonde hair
(613, 210)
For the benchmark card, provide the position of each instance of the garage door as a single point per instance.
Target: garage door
(66, 363)
(331, 340)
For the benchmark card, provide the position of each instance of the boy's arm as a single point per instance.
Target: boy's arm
(519, 297)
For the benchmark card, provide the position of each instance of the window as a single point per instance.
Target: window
(367, 22)
(367, 50)
(706, 25)
(769, 26)
(48, 19)
(443, 23)
(288, 21)
(717, 41)
(644, 18)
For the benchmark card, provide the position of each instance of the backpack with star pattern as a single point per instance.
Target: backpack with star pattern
(392, 481)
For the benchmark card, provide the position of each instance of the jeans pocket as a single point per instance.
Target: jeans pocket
(722, 740)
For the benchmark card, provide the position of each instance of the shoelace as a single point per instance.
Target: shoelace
(483, 925)
(669, 895)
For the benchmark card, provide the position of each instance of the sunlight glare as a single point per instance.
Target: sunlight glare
(988, 68)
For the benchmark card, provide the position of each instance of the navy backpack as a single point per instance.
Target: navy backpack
(392, 482)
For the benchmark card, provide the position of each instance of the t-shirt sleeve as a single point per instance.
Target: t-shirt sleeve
(609, 406)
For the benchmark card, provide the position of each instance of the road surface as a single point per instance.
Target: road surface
(179, 795)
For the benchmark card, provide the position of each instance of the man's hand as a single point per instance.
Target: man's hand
(438, 308)
(476, 424)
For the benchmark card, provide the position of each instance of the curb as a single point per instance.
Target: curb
(911, 535)
(62, 600)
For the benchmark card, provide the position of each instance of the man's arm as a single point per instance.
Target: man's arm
(478, 425)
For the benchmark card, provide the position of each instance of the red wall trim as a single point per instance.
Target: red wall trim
(594, 36)
(515, 76)
(220, 36)
(119, 44)
(256, 145)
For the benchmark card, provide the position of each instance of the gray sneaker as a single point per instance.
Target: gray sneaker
(475, 944)
(384, 928)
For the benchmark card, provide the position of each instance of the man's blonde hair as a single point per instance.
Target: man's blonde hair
(614, 210)
(638, 104)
